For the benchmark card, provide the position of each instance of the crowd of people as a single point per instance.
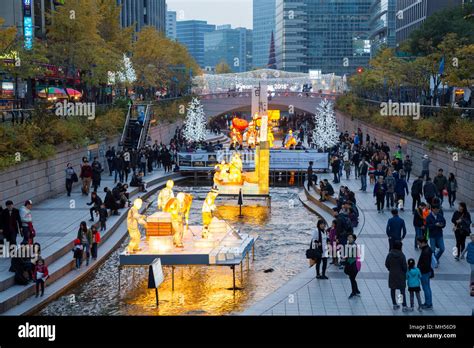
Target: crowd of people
(390, 174)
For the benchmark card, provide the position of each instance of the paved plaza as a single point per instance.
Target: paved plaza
(306, 295)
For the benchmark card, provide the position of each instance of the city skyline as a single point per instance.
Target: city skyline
(238, 13)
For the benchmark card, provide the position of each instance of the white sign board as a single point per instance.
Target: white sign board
(314, 74)
(155, 275)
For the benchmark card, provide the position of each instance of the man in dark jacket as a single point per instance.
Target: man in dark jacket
(110, 154)
(416, 192)
(441, 184)
(96, 173)
(429, 191)
(110, 203)
(396, 264)
(435, 222)
(335, 166)
(396, 229)
(424, 265)
(10, 222)
(363, 170)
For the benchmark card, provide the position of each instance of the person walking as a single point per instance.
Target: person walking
(118, 167)
(401, 187)
(416, 192)
(320, 240)
(110, 154)
(352, 264)
(396, 229)
(452, 188)
(363, 171)
(407, 166)
(425, 167)
(310, 174)
(462, 228)
(103, 215)
(356, 161)
(85, 236)
(419, 223)
(435, 222)
(40, 275)
(71, 177)
(95, 241)
(380, 189)
(96, 173)
(396, 265)
(27, 228)
(424, 265)
(86, 176)
(413, 283)
(470, 253)
(335, 165)
(390, 182)
(429, 191)
(441, 184)
(10, 222)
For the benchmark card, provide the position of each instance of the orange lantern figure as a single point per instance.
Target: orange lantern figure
(240, 124)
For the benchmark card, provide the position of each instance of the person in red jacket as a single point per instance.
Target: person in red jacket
(40, 275)
(86, 176)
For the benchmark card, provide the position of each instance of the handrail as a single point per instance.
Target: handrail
(125, 128)
(146, 123)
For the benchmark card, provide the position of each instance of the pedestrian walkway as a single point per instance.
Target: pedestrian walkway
(56, 221)
(306, 295)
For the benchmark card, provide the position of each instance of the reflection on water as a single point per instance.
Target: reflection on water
(284, 232)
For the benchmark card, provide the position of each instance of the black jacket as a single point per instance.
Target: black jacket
(10, 224)
(417, 187)
(424, 262)
(418, 218)
(396, 264)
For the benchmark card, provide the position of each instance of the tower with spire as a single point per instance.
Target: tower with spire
(271, 57)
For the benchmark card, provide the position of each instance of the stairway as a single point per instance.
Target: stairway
(137, 126)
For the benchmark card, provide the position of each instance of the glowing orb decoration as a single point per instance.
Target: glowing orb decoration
(240, 124)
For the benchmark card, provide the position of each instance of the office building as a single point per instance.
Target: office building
(143, 13)
(331, 36)
(232, 46)
(412, 13)
(191, 34)
(171, 25)
(263, 26)
(382, 25)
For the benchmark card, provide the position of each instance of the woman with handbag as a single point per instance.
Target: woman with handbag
(71, 177)
(462, 228)
(319, 243)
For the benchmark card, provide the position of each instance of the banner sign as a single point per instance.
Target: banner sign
(279, 159)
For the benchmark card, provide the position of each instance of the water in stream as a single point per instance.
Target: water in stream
(284, 234)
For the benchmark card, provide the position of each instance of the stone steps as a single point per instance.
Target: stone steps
(61, 262)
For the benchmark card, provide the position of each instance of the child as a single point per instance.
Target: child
(414, 282)
(95, 241)
(78, 251)
(103, 214)
(40, 275)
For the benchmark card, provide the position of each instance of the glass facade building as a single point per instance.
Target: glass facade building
(171, 25)
(383, 24)
(263, 25)
(233, 46)
(412, 13)
(191, 34)
(327, 35)
(142, 13)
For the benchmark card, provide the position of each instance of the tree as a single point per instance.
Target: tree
(7, 36)
(325, 133)
(426, 39)
(223, 68)
(195, 123)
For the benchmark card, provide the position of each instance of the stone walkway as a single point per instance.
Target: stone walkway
(306, 295)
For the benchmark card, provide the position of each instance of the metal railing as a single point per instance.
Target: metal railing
(127, 121)
(145, 128)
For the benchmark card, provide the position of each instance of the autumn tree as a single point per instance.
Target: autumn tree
(223, 68)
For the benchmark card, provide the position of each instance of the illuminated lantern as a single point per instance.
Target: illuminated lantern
(240, 124)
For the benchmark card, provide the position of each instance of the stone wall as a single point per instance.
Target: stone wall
(41, 179)
(463, 168)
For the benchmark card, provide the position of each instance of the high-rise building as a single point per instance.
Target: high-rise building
(263, 26)
(171, 25)
(412, 13)
(331, 36)
(382, 24)
(191, 34)
(143, 13)
(232, 46)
